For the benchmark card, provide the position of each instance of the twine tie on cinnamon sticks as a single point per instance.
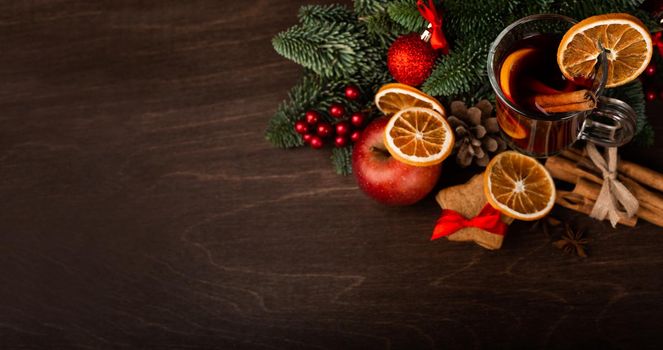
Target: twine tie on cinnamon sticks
(575, 167)
(613, 193)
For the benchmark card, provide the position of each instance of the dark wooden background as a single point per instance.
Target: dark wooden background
(141, 207)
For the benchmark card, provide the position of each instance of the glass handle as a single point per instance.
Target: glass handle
(611, 124)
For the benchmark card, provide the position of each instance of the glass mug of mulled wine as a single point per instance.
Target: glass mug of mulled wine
(538, 110)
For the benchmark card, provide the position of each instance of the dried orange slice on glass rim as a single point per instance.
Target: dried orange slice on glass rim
(625, 37)
(394, 97)
(519, 186)
(419, 136)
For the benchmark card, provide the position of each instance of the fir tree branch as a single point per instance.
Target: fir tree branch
(319, 14)
(311, 92)
(373, 14)
(406, 14)
(342, 160)
(369, 7)
(382, 28)
(580, 9)
(647, 19)
(315, 92)
(460, 71)
(646, 136)
(332, 50)
(634, 96)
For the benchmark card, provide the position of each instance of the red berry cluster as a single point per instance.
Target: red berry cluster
(652, 84)
(316, 131)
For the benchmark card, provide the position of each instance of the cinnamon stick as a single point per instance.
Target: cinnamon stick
(651, 216)
(644, 176)
(641, 174)
(591, 191)
(645, 196)
(563, 169)
(577, 202)
(574, 101)
(588, 186)
(571, 171)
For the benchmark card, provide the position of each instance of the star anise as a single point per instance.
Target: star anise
(573, 241)
(547, 225)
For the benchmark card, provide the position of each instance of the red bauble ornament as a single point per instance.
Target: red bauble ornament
(301, 127)
(324, 129)
(336, 110)
(650, 95)
(410, 60)
(340, 141)
(355, 136)
(357, 119)
(352, 92)
(316, 142)
(650, 70)
(342, 128)
(312, 117)
(307, 138)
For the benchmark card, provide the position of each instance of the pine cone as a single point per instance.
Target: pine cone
(476, 131)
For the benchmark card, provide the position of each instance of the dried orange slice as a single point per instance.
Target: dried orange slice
(625, 37)
(419, 136)
(519, 186)
(394, 97)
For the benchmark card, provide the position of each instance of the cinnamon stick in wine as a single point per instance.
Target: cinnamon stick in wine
(574, 101)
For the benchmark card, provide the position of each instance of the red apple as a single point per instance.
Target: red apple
(384, 178)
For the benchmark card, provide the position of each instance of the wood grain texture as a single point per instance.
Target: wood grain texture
(142, 208)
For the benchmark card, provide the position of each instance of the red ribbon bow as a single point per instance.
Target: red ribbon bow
(657, 40)
(430, 13)
(451, 221)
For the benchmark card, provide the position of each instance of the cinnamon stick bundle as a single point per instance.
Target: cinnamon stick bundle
(591, 191)
(581, 204)
(574, 167)
(574, 101)
(584, 168)
(636, 172)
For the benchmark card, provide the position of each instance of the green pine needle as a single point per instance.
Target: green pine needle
(369, 7)
(331, 50)
(321, 14)
(318, 93)
(634, 96)
(459, 72)
(312, 92)
(406, 14)
(382, 28)
(646, 137)
(342, 160)
(580, 9)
